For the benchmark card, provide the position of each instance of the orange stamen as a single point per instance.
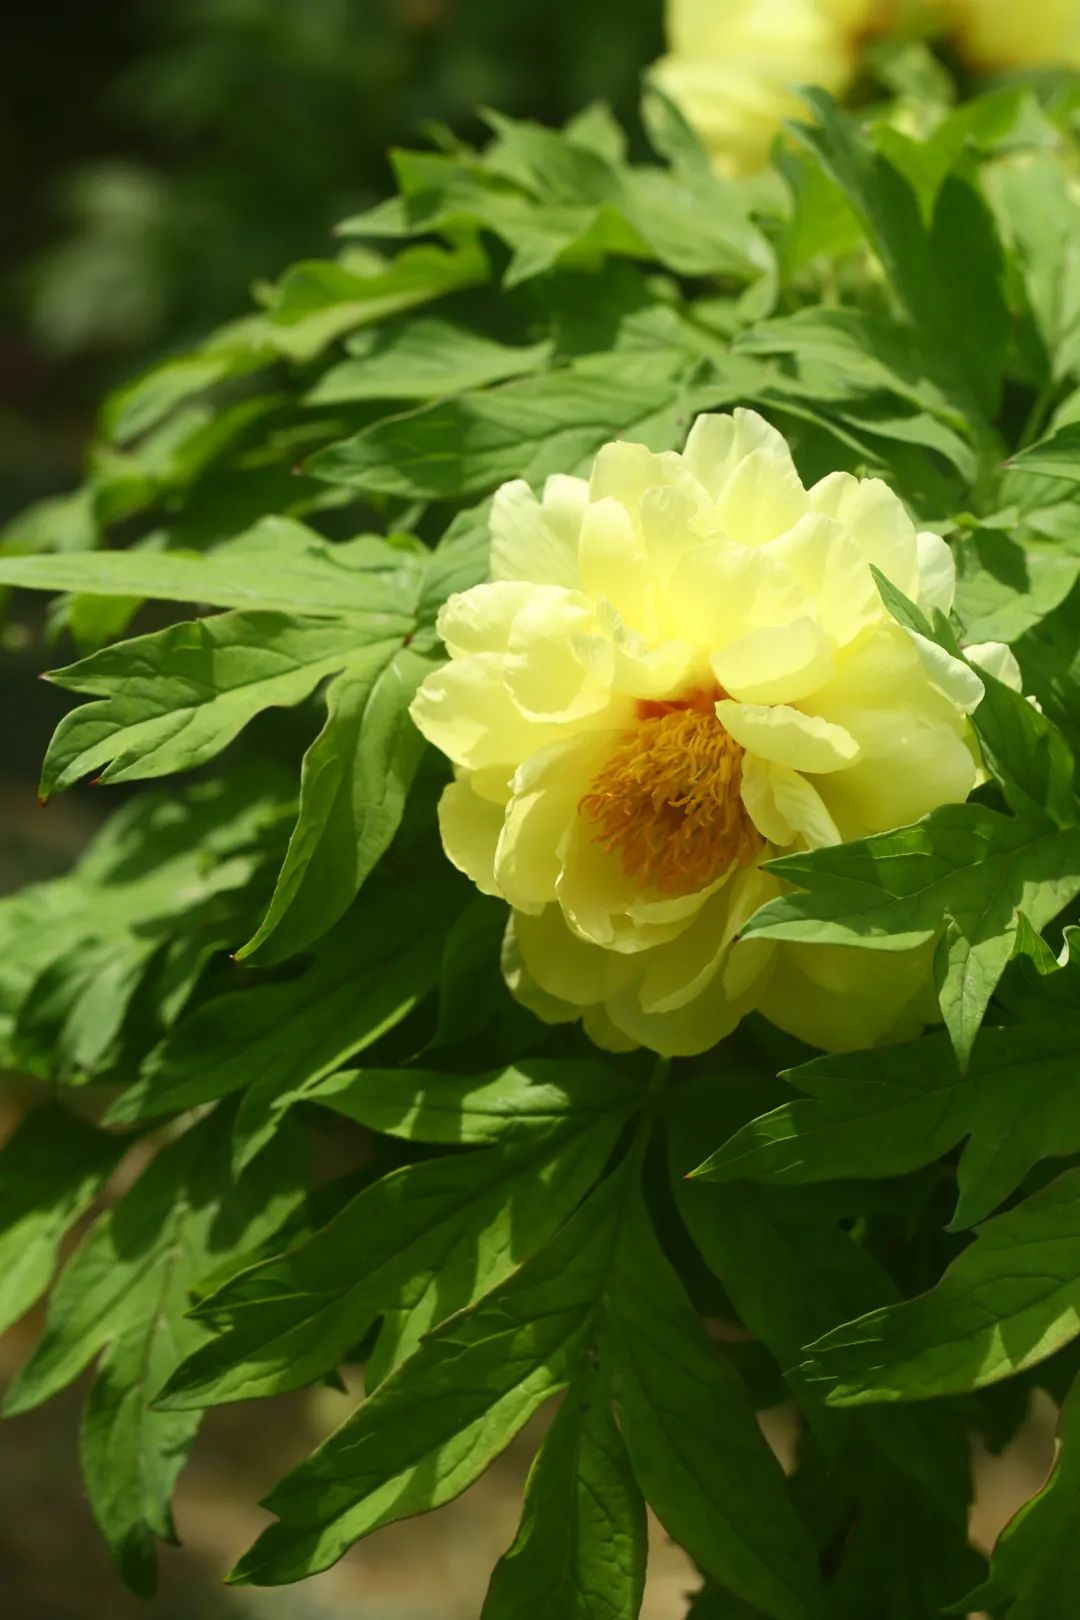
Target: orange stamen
(668, 799)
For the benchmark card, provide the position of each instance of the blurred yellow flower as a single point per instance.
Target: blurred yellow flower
(731, 66)
(991, 35)
(681, 667)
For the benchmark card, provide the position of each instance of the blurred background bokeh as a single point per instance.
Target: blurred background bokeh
(159, 155)
(156, 157)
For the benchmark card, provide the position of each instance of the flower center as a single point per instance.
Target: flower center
(668, 799)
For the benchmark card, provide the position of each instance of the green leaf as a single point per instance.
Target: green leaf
(354, 781)
(1004, 589)
(52, 1168)
(471, 987)
(173, 699)
(1040, 219)
(965, 319)
(1027, 755)
(369, 973)
(696, 1450)
(1036, 1563)
(845, 354)
(460, 560)
(472, 1383)
(170, 873)
(142, 403)
(670, 133)
(433, 1426)
(568, 198)
(786, 1264)
(424, 1241)
(694, 223)
(904, 1549)
(822, 222)
(1024, 751)
(424, 358)
(963, 866)
(1056, 456)
(318, 301)
(123, 1299)
(281, 566)
(526, 429)
(889, 1112)
(1011, 1299)
(425, 1105)
(580, 1550)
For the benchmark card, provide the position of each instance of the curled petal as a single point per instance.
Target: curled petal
(538, 540)
(470, 828)
(779, 664)
(785, 736)
(937, 573)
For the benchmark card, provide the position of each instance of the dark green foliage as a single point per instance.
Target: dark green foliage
(270, 952)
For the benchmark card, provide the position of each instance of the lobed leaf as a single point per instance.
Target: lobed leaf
(1010, 1300)
(581, 1548)
(966, 868)
(527, 429)
(354, 782)
(172, 700)
(123, 1298)
(52, 1167)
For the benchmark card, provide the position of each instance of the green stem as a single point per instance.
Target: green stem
(1037, 416)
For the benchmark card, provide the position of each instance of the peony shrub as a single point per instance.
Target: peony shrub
(587, 927)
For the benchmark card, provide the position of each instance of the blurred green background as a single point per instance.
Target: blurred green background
(159, 155)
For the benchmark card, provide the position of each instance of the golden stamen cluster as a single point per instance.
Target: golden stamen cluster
(668, 802)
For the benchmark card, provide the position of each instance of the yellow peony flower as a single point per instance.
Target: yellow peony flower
(680, 668)
(995, 34)
(731, 67)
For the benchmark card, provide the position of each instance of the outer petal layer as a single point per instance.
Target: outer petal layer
(681, 667)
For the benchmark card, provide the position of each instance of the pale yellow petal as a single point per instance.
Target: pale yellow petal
(524, 988)
(876, 520)
(785, 805)
(937, 573)
(624, 662)
(992, 35)
(951, 676)
(547, 790)
(758, 792)
(470, 828)
(606, 907)
(910, 760)
(542, 670)
(786, 736)
(823, 557)
(614, 566)
(680, 971)
(534, 540)
(603, 1032)
(480, 620)
(626, 472)
(718, 592)
(763, 498)
(565, 966)
(775, 664)
(466, 711)
(716, 447)
(842, 998)
(997, 660)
